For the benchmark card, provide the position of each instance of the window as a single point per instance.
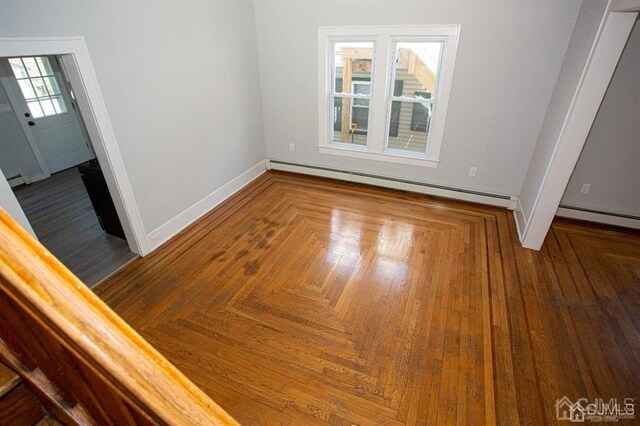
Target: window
(39, 86)
(383, 91)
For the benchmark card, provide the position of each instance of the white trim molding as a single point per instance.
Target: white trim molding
(77, 62)
(173, 226)
(497, 200)
(414, 160)
(605, 52)
(606, 218)
(625, 5)
(520, 218)
(384, 40)
(24, 179)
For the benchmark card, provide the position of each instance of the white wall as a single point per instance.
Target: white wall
(10, 204)
(509, 56)
(16, 155)
(611, 156)
(582, 39)
(180, 82)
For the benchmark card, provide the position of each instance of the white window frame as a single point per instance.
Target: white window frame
(382, 75)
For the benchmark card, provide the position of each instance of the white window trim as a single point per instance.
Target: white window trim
(384, 39)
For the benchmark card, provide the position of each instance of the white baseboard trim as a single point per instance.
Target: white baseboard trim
(164, 232)
(25, 179)
(508, 202)
(599, 217)
(16, 181)
(521, 222)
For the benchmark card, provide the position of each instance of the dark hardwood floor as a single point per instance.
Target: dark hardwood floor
(62, 217)
(304, 301)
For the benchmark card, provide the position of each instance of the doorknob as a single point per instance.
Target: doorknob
(31, 123)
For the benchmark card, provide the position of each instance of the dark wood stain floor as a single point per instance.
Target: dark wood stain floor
(310, 301)
(62, 217)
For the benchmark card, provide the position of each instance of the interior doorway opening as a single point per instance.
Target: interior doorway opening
(49, 162)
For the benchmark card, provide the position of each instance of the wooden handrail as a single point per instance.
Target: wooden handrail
(52, 322)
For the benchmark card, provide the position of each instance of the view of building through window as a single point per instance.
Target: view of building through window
(411, 103)
(384, 91)
(415, 73)
(352, 91)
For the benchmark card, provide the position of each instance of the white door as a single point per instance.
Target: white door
(49, 111)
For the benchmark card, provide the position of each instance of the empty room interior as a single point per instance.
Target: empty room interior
(319, 212)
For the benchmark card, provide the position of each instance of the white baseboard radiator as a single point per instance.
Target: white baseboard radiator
(21, 179)
(608, 218)
(497, 200)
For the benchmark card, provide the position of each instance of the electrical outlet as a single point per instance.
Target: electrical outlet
(586, 187)
(472, 171)
(292, 147)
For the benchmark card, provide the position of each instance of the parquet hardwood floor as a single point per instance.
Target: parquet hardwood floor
(302, 300)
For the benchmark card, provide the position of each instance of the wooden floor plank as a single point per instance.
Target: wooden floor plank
(307, 301)
(61, 215)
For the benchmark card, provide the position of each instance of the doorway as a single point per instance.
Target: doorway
(51, 120)
(48, 160)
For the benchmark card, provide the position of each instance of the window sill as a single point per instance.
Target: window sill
(414, 159)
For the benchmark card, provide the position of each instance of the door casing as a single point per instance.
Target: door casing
(77, 63)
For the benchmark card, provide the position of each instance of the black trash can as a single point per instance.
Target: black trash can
(101, 200)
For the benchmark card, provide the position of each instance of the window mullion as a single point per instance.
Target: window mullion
(377, 107)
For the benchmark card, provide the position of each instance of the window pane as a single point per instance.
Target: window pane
(409, 126)
(361, 103)
(52, 85)
(45, 65)
(27, 89)
(47, 106)
(360, 118)
(59, 105)
(418, 116)
(352, 62)
(350, 120)
(361, 87)
(34, 107)
(38, 85)
(337, 114)
(32, 67)
(18, 68)
(416, 66)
